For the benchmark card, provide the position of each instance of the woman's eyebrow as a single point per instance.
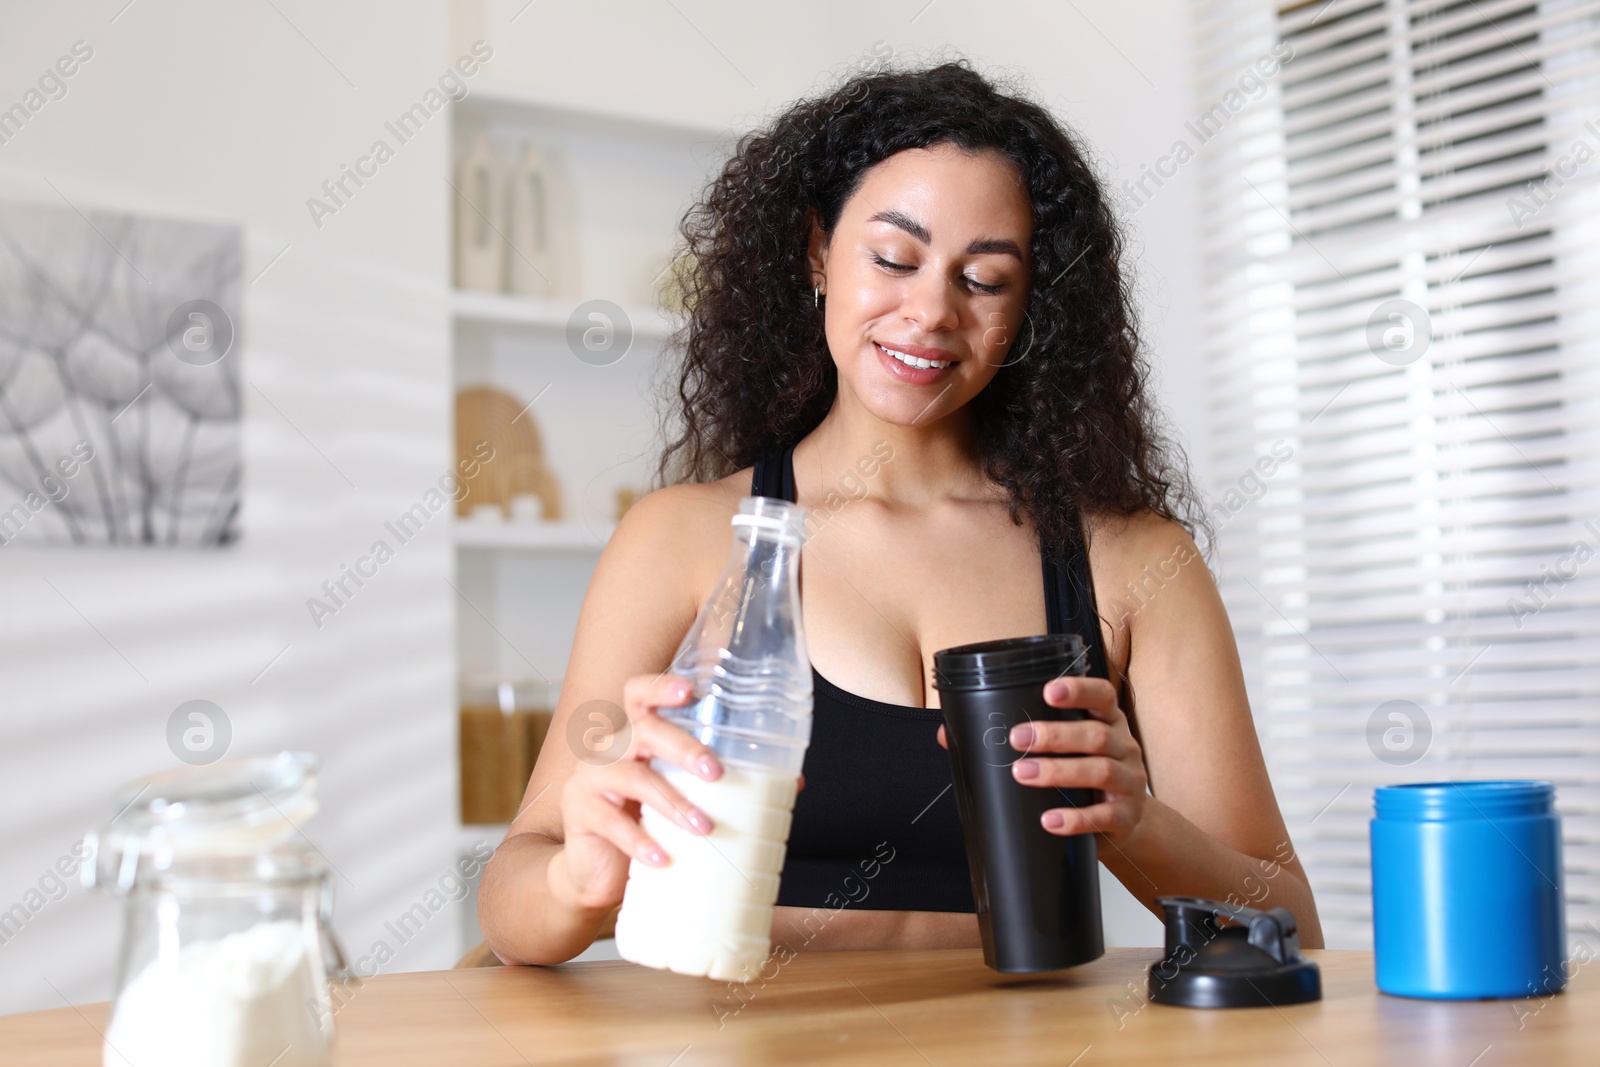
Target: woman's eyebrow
(984, 246)
(999, 245)
(906, 223)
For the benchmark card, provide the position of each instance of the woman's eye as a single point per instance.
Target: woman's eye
(973, 282)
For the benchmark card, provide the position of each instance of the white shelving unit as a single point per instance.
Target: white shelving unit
(498, 311)
(631, 177)
(532, 537)
(497, 98)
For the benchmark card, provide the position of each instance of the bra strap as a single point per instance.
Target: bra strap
(774, 475)
(1069, 604)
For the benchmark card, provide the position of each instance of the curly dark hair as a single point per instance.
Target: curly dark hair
(1065, 424)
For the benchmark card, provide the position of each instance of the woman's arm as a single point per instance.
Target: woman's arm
(1212, 828)
(564, 862)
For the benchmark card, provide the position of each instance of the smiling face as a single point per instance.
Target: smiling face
(926, 277)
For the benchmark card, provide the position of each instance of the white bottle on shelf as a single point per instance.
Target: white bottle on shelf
(532, 189)
(479, 214)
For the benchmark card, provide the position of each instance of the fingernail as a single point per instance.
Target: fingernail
(1022, 736)
(681, 690)
(708, 767)
(1054, 820)
(653, 856)
(1056, 689)
(1025, 768)
(699, 820)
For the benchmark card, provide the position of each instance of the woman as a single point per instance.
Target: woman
(908, 315)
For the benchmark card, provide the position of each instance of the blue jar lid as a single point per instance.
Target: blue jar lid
(1440, 801)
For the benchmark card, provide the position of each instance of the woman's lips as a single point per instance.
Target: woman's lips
(909, 374)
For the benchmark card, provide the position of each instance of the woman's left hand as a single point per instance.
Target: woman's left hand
(1094, 753)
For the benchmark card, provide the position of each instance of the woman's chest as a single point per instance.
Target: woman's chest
(882, 593)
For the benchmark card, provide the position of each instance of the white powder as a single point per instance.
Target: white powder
(243, 1001)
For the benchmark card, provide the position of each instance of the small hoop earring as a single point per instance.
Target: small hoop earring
(816, 297)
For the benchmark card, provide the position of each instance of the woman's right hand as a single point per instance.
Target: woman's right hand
(600, 801)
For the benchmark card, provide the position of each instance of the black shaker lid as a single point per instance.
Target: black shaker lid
(1009, 661)
(1252, 962)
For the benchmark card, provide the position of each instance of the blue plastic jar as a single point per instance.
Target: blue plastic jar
(1467, 891)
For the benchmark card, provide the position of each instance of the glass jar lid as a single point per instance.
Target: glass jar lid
(233, 819)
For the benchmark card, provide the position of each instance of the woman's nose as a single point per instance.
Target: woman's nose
(931, 302)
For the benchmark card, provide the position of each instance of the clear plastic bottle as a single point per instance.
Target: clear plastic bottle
(709, 911)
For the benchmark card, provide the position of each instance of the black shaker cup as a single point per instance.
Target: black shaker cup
(1037, 894)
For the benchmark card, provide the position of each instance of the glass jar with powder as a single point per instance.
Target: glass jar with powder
(226, 945)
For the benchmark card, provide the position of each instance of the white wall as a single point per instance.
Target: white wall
(230, 113)
(226, 113)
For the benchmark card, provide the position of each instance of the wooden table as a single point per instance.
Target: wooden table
(919, 1008)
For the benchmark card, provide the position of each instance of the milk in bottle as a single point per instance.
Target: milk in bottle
(709, 911)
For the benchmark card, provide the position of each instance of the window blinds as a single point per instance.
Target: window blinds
(1401, 241)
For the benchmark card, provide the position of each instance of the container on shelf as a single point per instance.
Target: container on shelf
(479, 216)
(533, 189)
(665, 290)
(503, 723)
(526, 507)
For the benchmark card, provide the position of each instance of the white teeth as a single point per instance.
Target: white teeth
(913, 361)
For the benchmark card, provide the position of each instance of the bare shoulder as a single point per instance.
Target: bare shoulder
(1124, 545)
(1136, 561)
(654, 573)
(682, 510)
(679, 533)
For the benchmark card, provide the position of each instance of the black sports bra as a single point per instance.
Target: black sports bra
(876, 825)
